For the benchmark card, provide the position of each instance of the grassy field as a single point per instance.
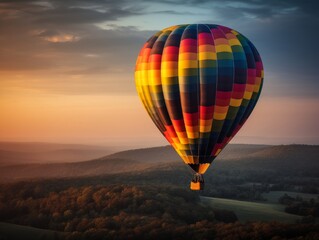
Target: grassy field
(10, 231)
(252, 211)
(273, 196)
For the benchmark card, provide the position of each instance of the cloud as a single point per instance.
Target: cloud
(254, 8)
(61, 13)
(52, 34)
(57, 47)
(87, 40)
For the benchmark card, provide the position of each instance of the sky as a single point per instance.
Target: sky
(67, 67)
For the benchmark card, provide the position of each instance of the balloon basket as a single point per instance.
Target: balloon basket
(197, 182)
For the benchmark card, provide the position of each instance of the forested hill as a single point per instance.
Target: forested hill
(285, 158)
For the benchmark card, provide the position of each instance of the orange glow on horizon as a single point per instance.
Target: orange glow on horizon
(29, 114)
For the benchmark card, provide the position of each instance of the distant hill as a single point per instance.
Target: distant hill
(285, 157)
(12, 153)
(155, 154)
(281, 158)
(168, 154)
(60, 170)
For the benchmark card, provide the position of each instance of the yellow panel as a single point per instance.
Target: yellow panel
(144, 76)
(169, 64)
(205, 128)
(155, 89)
(234, 32)
(137, 75)
(223, 48)
(181, 134)
(154, 77)
(182, 146)
(257, 88)
(207, 55)
(193, 135)
(235, 102)
(188, 64)
(221, 109)
(166, 72)
(178, 151)
(248, 95)
(184, 140)
(234, 42)
(220, 116)
(185, 159)
(143, 66)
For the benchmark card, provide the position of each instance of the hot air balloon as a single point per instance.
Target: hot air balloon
(199, 84)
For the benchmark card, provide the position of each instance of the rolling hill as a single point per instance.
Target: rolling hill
(12, 153)
(287, 157)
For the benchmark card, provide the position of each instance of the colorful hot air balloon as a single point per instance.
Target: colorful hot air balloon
(199, 83)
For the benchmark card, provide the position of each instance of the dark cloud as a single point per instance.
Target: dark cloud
(63, 33)
(253, 8)
(64, 38)
(60, 46)
(171, 12)
(57, 13)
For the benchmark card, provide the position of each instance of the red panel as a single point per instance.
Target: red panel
(155, 58)
(154, 65)
(205, 39)
(170, 57)
(191, 119)
(168, 137)
(222, 102)
(171, 131)
(171, 50)
(146, 53)
(259, 65)
(251, 76)
(206, 112)
(239, 87)
(217, 33)
(238, 95)
(189, 42)
(188, 48)
(179, 125)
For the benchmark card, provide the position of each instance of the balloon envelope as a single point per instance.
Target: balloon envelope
(199, 83)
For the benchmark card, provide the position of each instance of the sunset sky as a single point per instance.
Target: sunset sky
(67, 67)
